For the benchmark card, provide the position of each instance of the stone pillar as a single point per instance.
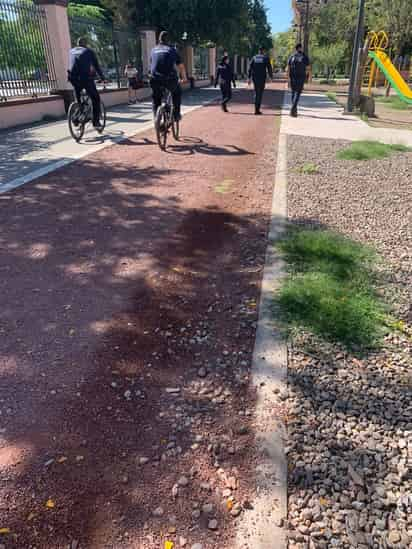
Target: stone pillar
(212, 62)
(245, 66)
(189, 61)
(235, 61)
(148, 41)
(59, 45)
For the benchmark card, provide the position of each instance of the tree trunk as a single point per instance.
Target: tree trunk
(362, 59)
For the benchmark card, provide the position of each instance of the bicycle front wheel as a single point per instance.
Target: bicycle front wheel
(76, 127)
(102, 118)
(161, 124)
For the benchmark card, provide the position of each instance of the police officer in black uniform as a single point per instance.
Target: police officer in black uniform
(259, 68)
(165, 65)
(298, 65)
(225, 77)
(83, 66)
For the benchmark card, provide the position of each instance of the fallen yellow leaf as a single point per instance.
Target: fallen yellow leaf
(229, 504)
(50, 504)
(323, 501)
(62, 459)
(169, 544)
(4, 530)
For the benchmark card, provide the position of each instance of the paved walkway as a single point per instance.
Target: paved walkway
(29, 153)
(320, 117)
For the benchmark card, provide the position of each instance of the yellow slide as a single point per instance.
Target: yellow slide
(392, 75)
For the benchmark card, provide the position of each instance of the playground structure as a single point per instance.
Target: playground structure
(377, 44)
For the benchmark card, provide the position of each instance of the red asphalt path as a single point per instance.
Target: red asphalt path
(121, 275)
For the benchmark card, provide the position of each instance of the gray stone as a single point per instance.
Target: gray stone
(183, 481)
(207, 508)
(158, 512)
(212, 525)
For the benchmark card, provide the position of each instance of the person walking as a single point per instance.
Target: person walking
(298, 68)
(225, 77)
(131, 74)
(259, 69)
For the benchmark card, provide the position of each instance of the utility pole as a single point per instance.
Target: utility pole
(355, 57)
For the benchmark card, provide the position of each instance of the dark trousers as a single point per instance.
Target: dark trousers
(297, 89)
(157, 89)
(226, 89)
(90, 87)
(259, 89)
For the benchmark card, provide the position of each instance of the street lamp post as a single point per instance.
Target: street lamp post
(355, 57)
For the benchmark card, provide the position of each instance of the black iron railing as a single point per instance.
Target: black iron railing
(26, 61)
(114, 47)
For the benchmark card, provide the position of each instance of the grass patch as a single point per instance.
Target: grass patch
(225, 186)
(331, 96)
(330, 289)
(369, 150)
(308, 169)
(394, 102)
(327, 82)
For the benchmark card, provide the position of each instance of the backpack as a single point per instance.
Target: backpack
(298, 65)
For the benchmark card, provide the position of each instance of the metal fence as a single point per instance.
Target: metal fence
(114, 47)
(26, 63)
(201, 63)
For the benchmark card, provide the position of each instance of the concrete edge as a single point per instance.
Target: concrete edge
(40, 172)
(263, 526)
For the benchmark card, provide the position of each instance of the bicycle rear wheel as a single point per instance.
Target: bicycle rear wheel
(161, 127)
(102, 118)
(75, 126)
(176, 129)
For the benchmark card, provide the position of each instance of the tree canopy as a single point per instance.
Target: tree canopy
(237, 25)
(335, 23)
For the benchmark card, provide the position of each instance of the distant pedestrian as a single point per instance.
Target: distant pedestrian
(225, 78)
(259, 69)
(298, 67)
(131, 73)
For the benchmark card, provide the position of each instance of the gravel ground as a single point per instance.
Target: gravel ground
(350, 419)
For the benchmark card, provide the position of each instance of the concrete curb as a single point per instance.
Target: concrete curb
(262, 527)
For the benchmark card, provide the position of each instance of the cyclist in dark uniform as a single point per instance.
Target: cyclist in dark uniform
(225, 77)
(165, 64)
(83, 67)
(259, 69)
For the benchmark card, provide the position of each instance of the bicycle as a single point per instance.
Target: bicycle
(80, 114)
(165, 120)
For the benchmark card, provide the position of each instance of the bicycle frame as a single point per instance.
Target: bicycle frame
(86, 108)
